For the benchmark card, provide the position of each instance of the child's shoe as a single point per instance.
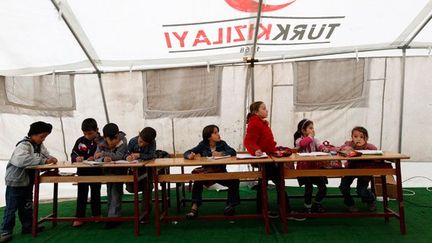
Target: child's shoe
(6, 237)
(372, 206)
(77, 223)
(307, 208)
(229, 210)
(318, 208)
(192, 214)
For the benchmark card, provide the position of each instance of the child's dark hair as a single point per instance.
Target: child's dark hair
(148, 134)
(303, 124)
(360, 129)
(253, 108)
(39, 127)
(208, 131)
(110, 130)
(89, 125)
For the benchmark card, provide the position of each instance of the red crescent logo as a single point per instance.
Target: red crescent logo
(252, 5)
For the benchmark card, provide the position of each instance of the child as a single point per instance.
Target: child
(114, 147)
(359, 138)
(84, 149)
(19, 182)
(212, 145)
(305, 140)
(259, 138)
(143, 146)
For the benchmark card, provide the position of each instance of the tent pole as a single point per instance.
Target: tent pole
(402, 98)
(77, 38)
(103, 97)
(383, 103)
(252, 60)
(406, 45)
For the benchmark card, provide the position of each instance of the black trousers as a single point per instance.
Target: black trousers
(83, 190)
(233, 191)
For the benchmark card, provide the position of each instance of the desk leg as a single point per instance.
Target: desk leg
(264, 198)
(183, 202)
(178, 202)
(164, 198)
(55, 204)
(400, 198)
(156, 189)
(136, 201)
(282, 199)
(35, 204)
(147, 196)
(385, 196)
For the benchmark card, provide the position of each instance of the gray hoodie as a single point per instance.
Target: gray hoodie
(24, 155)
(118, 153)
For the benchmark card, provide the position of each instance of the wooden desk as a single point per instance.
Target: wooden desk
(52, 176)
(178, 162)
(387, 156)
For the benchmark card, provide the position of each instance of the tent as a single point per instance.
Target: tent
(180, 65)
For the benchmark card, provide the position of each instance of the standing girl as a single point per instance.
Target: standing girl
(259, 139)
(305, 140)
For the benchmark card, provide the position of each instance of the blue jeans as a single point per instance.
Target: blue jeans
(362, 189)
(18, 198)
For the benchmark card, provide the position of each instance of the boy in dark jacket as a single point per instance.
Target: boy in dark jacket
(84, 149)
(143, 146)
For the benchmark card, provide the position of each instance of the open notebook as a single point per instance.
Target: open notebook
(114, 162)
(371, 152)
(313, 154)
(248, 156)
(219, 157)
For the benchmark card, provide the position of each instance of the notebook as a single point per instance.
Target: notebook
(125, 161)
(219, 157)
(313, 154)
(92, 162)
(371, 152)
(248, 156)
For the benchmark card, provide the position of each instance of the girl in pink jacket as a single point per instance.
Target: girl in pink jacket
(305, 140)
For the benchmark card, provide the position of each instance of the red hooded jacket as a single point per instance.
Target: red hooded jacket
(259, 136)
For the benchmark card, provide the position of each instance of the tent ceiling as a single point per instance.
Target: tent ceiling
(119, 35)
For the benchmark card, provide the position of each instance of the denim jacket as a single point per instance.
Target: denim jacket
(203, 148)
(146, 153)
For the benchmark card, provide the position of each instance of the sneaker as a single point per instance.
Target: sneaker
(352, 209)
(6, 237)
(29, 231)
(318, 208)
(295, 217)
(77, 223)
(229, 210)
(372, 207)
(307, 210)
(192, 214)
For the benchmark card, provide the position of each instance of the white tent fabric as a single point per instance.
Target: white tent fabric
(133, 34)
(274, 85)
(119, 41)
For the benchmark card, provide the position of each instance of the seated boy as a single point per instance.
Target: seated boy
(143, 146)
(19, 182)
(114, 147)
